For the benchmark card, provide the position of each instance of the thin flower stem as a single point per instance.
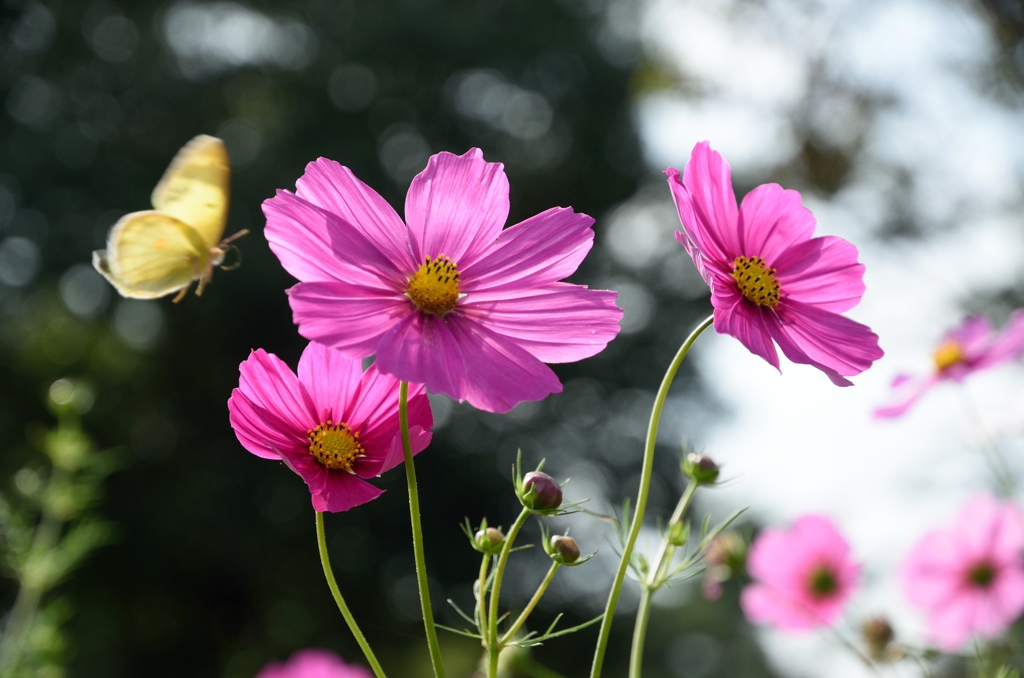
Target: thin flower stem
(666, 550)
(493, 647)
(485, 564)
(510, 634)
(641, 500)
(655, 578)
(643, 615)
(325, 560)
(417, 533)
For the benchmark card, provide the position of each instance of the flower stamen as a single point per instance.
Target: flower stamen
(435, 286)
(981, 575)
(822, 582)
(756, 281)
(335, 446)
(948, 354)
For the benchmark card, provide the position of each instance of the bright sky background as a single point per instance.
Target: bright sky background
(795, 443)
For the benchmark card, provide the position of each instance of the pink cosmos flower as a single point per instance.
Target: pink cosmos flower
(313, 664)
(450, 300)
(802, 578)
(970, 578)
(971, 347)
(770, 280)
(333, 424)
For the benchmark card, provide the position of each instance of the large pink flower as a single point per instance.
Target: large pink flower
(970, 578)
(452, 300)
(802, 578)
(333, 424)
(963, 350)
(770, 280)
(313, 664)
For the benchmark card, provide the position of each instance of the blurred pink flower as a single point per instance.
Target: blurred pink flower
(770, 280)
(452, 300)
(969, 578)
(313, 664)
(966, 349)
(802, 578)
(333, 424)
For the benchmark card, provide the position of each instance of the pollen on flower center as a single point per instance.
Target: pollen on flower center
(335, 446)
(948, 353)
(822, 582)
(435, 286)
(756, 280)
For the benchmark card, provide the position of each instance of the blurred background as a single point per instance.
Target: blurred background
(900, 121)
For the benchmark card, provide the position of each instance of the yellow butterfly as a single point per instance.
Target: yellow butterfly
(155, 252)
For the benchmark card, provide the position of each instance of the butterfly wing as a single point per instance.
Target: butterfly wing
(151, 254)
(195, 188)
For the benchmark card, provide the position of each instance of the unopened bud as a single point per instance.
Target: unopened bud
(547, 494)
(488, 540)
(700, 468)
(878, 633)
(564, 549)
(679, 533)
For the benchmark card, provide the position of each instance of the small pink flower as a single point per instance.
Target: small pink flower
(971, 347)
(802, 578)
(333, 424)
(969, 578)
(313, 664)
(451, 300)
(770, 280)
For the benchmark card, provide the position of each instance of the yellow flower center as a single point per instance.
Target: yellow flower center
(435, 286)
(756, 281)
(336, 446)
(948, 353)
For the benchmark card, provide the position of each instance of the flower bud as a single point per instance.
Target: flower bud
(878, 634)
(700, 468)
(488, 540)
(547, 494)
(564, 549)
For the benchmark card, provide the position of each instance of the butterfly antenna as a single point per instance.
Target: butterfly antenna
(181, 294)
(232, 238)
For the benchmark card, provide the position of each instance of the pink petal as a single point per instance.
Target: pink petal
(418, 441)
(714, 227)
(457, 356)
(836, 345)
(743, 320)
(1008, 344)
(559, 323)
(457, 206)
(313, 664)
(821, 271)
(764, 605)
(259, 431)
(336, 189)
(331, 378)
(347, 317)
(695, 255)
(910, 392)
(315, 245)
(771, 220)
(541, 250)
(271, 385)
(952, 624)
(972, 334)
(342, 491)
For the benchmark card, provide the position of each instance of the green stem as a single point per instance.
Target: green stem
(655, 578)
(643, 614)
(417, 533)
(641, 500)
(493, 647)
(325, 560)
(510, 634)
(485, 563)
(663, 559)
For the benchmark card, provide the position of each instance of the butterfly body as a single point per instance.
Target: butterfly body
(155, 252)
